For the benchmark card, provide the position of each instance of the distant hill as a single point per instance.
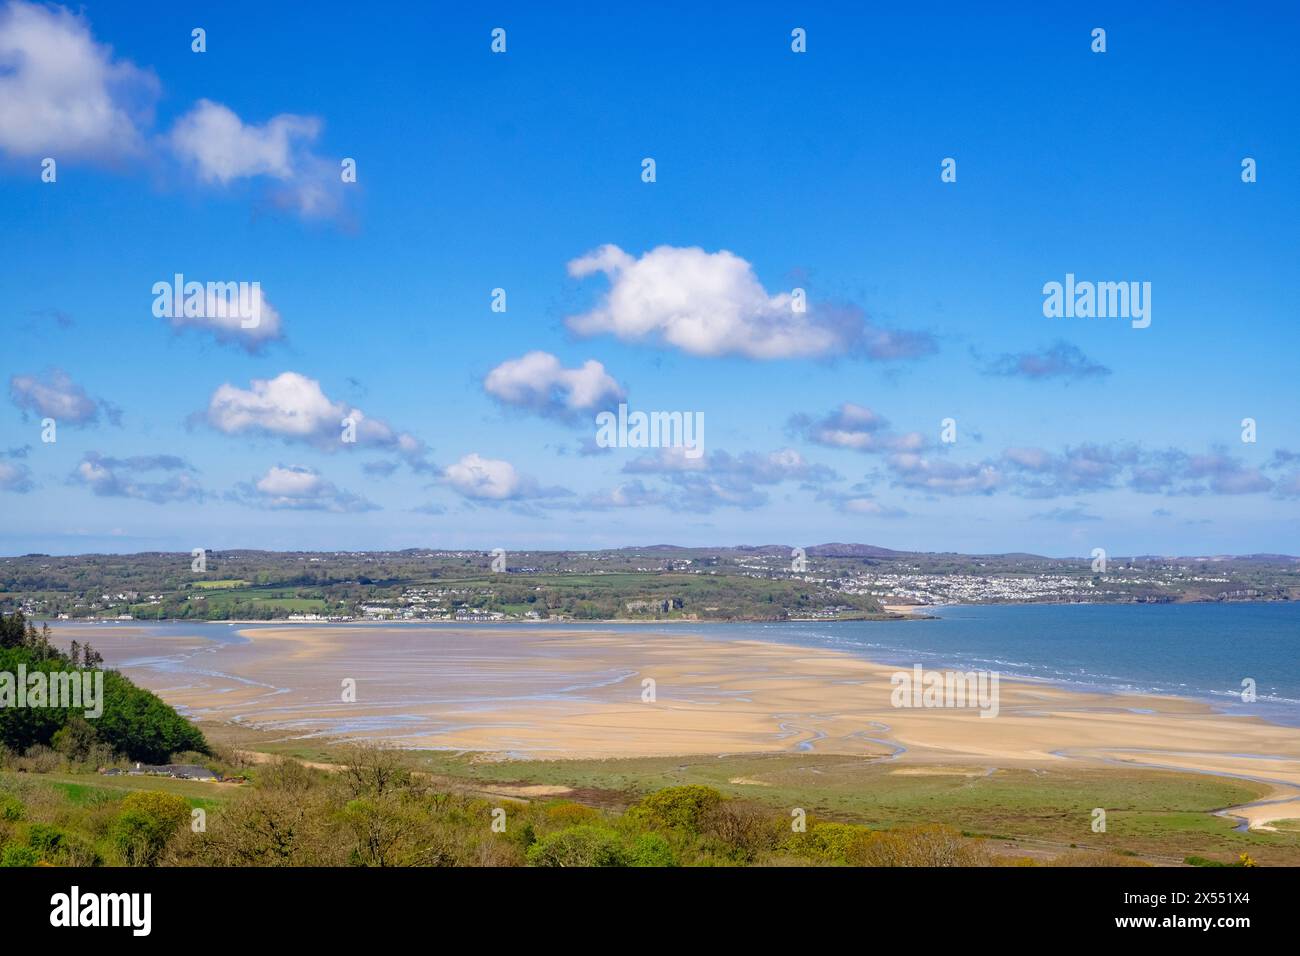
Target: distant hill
(853, 551)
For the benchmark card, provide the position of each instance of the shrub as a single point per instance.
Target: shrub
(680, 808)
(40, 759)
(744, 830)
(18, 856)
(148, 821)
(651, 849)
(830, 842)
(287, 776)
(929, 845)
(578, 846)
(11, 808)
(271, 827)
(1095, 858)
(568, 814)
(45, 840)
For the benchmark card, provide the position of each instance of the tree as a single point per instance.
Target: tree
(373, 769)
(76, 739)
(13, 629)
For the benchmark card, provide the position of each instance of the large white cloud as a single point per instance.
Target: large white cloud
(540, 383)
(293, 407)
(711, 304)
(63, 94)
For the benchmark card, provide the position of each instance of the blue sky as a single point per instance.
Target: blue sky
(775, 170)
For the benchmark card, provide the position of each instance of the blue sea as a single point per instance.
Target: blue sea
(1202, 651)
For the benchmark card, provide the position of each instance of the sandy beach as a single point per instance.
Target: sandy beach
(548, 692)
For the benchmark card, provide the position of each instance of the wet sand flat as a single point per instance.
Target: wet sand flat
(551, 692)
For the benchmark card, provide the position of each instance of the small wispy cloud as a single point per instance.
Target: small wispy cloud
(111, 477)
(222, 148)
(1060, 360)
(55, 395)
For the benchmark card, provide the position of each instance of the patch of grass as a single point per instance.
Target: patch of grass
(92, 789)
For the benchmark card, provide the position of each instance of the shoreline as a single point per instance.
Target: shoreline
(1216, 705)
(890, 612)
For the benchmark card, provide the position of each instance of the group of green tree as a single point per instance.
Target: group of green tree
(134, 724)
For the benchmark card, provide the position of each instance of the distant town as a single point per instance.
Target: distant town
(773, 582)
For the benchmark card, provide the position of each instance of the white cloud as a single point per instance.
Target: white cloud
(293, 407)
(63, 94)
(763, 468)
(538, 382)
(226, 323)
(477, 477)
(492, 481)
(297, 488)
(711, 304)
(121, 478)
(57, 396)
(855, 427)
(222, 148)
(944, 477)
